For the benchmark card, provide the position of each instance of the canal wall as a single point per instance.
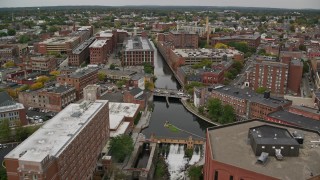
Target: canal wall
(194, 112)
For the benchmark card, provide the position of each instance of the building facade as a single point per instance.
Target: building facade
(183, 39)
(43, 64)
(99, 51)
(138, 50)
(252, 40)
(53, 151)
(51, 98)
(80, 54)
(80, 79)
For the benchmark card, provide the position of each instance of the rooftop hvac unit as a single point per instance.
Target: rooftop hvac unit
(263, 158)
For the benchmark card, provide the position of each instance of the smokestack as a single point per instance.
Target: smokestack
(207, 29)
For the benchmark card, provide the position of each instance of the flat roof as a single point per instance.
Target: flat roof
(60, 40)
(138, 43)
(243, 37)
(83, 46)
(83, 71)
(229, 145)
(121, 130)
(250, 95)
(115, 120)
(98, 43)
(296, 119)
(107, 34)
(55, 135)
(123, 109)
(206, 53)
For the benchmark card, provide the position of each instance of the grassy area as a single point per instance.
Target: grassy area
(161, 169)
(172, 128)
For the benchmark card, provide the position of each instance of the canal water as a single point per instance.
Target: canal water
(175, 113)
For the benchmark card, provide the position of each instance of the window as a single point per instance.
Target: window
(292, 147)
(231, 178)
(216, 175)
(263, 147)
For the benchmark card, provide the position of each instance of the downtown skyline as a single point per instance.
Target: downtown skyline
(288, 4)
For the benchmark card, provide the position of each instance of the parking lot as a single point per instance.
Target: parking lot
(5, 150)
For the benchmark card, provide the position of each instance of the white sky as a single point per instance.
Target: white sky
(297, 4)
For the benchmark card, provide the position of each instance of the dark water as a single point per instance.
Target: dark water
(175, 113)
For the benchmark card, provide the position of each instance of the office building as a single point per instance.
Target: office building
(138, 50)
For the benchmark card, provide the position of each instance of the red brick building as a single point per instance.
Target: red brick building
(246, 103)
(272, 75)
(136, 96)
(162, 26)
(43, 64)
(252, 40)
(183, 39)
(306, 111)
(51, 98)
(59, 149)
(80, 79)
(99, 51)
(295, 75)
(229, 153)
(80, 54)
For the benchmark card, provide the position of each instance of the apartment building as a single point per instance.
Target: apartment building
(80, 79)
(50, 98)
(11, 110)
(99, 51)
(246, 103)
(272, 75)
(183, 39)
(67, 146)
(81, 53)
(43, 64)
(138, 50)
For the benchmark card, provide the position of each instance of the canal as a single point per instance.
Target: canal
(175, 113)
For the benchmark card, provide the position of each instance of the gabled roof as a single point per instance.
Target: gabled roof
(5, 99)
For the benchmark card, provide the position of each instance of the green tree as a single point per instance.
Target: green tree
(9, 64)
(121, 146)
(37, 85)
(305, 67)
(24, 39)
(3, 34)
(228, 115)
(220, 46)
(261, 90)
(101, 76)
(53, 29)
(204, 63)
(189, 87)
(121, 83)
(214, 107)
(112, 66)
(148, 68)
(5, 131)
(262, 52)
(188, 153)
(11, 32)
(195, 172)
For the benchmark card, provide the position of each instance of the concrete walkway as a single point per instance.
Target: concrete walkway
(196, 113)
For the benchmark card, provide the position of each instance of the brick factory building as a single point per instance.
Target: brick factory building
(252, 40)
(11, 110)
(183, 39)
(80, 79)
(43, 64)
(57, 45)
(138, 50)
(80, 54)
(65, 147)
(258, 149)
(245, 102)
(99, 51)
(49, 98)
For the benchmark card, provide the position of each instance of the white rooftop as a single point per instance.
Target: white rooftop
(115, 121)
(54, 136)
(107, 34)
(206, 53)
(98, 43)
(123, 109)
(121, 130)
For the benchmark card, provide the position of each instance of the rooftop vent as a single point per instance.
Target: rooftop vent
(263, 158)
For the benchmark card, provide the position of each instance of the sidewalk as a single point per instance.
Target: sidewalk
(196, 113)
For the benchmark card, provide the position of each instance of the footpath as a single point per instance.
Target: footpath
(196, 113)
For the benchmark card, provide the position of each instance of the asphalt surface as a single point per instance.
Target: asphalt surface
(5, 151)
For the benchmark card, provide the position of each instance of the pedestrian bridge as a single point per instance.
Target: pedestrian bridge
(173, 93)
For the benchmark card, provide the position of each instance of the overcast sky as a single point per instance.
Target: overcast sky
(297, 4)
